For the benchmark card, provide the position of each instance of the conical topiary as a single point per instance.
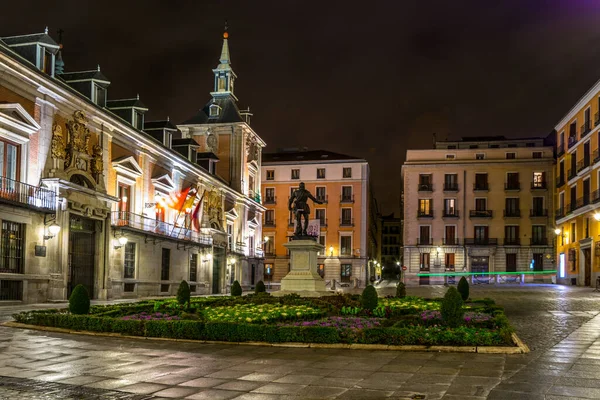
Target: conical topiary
(79, 301)
(260, 287)
(400, 290)
(236, 289)
(369, 298)
(452, 308)
(183, 293)
(463, 288)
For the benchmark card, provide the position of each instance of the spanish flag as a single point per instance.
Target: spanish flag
(178, 199)
(197, 214)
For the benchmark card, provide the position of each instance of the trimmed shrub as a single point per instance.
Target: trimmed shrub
(79, 301)
(401, 290)
(260, 287)
(452, 308)
(183, 293)
(236, 289)
(463, 288)
(369, 299)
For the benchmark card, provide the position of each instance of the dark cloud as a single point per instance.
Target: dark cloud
(370, 80)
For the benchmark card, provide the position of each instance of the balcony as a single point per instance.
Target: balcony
(509, 186)
(560, 181)
(539, 241)
(258, 253)
(571, 174)
(512, 241)
(451, 242)
(450, 214)
(585, 128)
(239, 247)
(481, 242)
(129, 221)
(348, 198)
(596, 196)
(323, 199)
(450, 187)
(538, 212)
(583, 164)
(481, 186)
(539, 185)
(595, 156)
(425, 187)
(346, 221)
(322, 222)
(270, 200)
(424, 241)
(560, 150)
(425, 214)
(512, 213)
(481, 213)
(270, 223)
(596, 119)
(559, 213)
(28, 196)
(254, 196)
(572, 141)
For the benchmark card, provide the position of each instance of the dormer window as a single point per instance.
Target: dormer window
(168, 139)
(99, 95)
(138, 120)
(46, 61)
(214, 110)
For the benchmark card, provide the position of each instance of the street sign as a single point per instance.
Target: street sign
(404, 268)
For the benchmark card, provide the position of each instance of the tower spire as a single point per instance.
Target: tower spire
(224, 75)
(225, 50)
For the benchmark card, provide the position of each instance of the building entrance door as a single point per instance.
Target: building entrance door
(424, 269)
(480, 266)
(82, 253)
(218, 260)
(587, 266)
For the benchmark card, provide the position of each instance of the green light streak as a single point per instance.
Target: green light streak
(546, 272)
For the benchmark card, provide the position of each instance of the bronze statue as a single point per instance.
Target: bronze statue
(300, 208)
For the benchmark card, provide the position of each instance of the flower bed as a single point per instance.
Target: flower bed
(335, 319)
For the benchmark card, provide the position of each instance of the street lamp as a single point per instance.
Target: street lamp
(597, 216)
(331, 251)
(53, 230)
(122, 241)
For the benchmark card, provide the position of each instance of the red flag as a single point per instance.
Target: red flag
(197, 214)
(180, 198)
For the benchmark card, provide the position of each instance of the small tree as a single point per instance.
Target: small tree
(183, 293)
(260, 287)
(79, 301)
(452, 308)
(401, 290)
(236, 289)
(369, 299)
(463, 288)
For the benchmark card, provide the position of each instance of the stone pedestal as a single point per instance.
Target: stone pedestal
(303, 277)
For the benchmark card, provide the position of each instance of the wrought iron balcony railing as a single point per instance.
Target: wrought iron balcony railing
(512, 186)
(125, 219)
(572, 141)
(481, 213)
(425, 214)
(539, 185)
(450, 214)
(323, 199)
(346, 221)
(560, 212)
(511, 213)
(451, 242)
(539, 241)
(451, 187)
(481, 186)
(481, 242)
(571, 174)
(254, 195)
(29, 196)
(348, 198)
(538, 212)
(270, 200)
(424, 241)
(585, 128)
(425, 187)
(560, 150)
(560, 181)
(512, 241)
(270, 223)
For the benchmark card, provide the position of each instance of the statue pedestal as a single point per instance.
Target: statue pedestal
(303, 278)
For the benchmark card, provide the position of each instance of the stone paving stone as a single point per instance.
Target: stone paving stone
(504, 395)
(279, 388)
(301, 379)
(170, 379)
(588, 393)
(177, 392)
(214, 394)
(227, 374)
(81, 380)
(430, 378)
(339, 382)
(320, 392)
(203, 382)
(241, 386)
(580, 382)
(111, 384)
(364, 394)
(342, 373)
(256, 376)
(143, 388)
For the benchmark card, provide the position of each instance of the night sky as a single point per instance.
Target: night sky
(370, 81)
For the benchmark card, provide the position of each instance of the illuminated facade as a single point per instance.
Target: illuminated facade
(478, 205)
(92, 194)
(342, 183)
(577, 195)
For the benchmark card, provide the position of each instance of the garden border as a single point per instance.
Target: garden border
(520, 348)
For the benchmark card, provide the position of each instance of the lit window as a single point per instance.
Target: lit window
(295, 174)
(347, 173)
(320, 173)
(214, 110)
(129, 261)
(538, 180)
(270, 175)
(479, 156)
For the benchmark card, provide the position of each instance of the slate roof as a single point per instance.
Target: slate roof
(206, 155)
(125, 103)
(184, 142)
(83, 75)
(229, 113)
(303, 156)
(154, 125)
(31, 38)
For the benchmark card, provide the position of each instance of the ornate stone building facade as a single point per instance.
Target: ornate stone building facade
(92, 194)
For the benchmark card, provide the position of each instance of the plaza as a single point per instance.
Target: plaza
(560, 324)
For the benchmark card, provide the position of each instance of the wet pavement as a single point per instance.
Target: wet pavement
(560, 324)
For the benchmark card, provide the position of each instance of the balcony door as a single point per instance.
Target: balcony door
(481, 234)
(586, 192)
(450, 234)
(9, 165)
(586, 153)
(82, 253)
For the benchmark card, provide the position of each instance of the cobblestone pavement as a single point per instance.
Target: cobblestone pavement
(561, 324)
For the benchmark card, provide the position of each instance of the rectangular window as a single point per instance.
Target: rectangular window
(346, 245)
(295, 174)
(449, 261)
(481, 234)
(450, 235)
(450, 207)
(194, 267)
(346, 193)
(536, 154)
(270, 245)
(320, 215)
(346, 216)
(321, 193)
(511, 207)
(12, 247)
(165, 264)
(11, 290)
(322, 243)
(9, 162)
(511, 156)
(124, 198)
(270, 217)
(129, 261)
(269, 195)
(481, 204)
(539, 180)
(129, 287)
(573, 236)
(424, 234)
(321, 270)
(138, 120)
(480, 156)
(320, 173)
(425, 206)
(512, 181)
(450, 156)
(511, 235)
(347, 172)
(450, 182)
(481, 181)
(511, 263)
(270, 175)
(424, 261)
(346, 272)
(538, 235)
(230, 236)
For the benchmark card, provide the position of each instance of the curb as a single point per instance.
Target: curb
(520, 349)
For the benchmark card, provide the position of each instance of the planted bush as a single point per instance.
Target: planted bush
(369, 299)
(183, 293)
(452, 308)
(260, 287)
(401, 290)
(236, 289)
(79, 302)
(463, 288)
